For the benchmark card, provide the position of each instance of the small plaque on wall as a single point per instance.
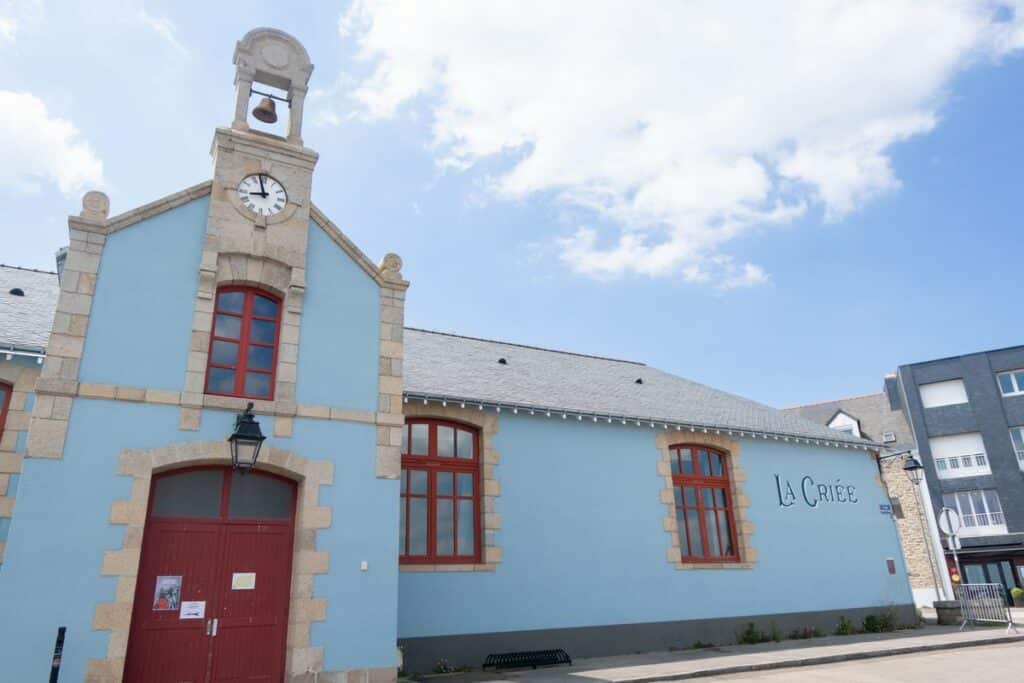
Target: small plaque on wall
(243, 581)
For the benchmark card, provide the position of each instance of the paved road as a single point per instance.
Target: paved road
(987, 663)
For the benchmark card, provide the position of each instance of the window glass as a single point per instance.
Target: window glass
(716, 465)
(417, 526)
(445, 527)
(467, 544)
(465, 444)
(262, 331)
(465, 484)
(419, 439)
(686, 461)
(1006, 384)
(264, 307)
(964, 501)
(689, 496)
(684, 541)
(418, 482)
(228, 326)
(709, 523)
(705, 463)
(221, 381)
(725, 531)
(445, 441)
(195, 493)
(256, 496)
(224, 353)
(992, 498)
(720, 498)
(257, 384)
(1018, 377)
(231, 301)
(693, 530)
(260, 357)
(444, 484)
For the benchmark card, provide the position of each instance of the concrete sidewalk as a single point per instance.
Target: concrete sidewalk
(731, 659)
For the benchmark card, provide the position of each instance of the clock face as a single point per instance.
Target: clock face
(262, 195)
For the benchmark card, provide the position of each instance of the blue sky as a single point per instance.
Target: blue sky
(785, 205)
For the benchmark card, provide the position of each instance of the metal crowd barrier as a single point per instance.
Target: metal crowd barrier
(985, 602)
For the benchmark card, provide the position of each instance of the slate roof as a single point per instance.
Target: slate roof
(25, 321)
(872, 411)
(450, 366)
(440, 365)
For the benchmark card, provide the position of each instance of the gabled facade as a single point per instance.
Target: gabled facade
(448, 495)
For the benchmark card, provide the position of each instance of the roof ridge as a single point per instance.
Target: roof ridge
(30, 270)
(527, 346)
(834, 400)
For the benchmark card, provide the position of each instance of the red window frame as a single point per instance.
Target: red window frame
(434, 464)
(244, 341)
(705, 482)
(4, 405)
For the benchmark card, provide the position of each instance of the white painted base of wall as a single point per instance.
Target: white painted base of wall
(924, 597)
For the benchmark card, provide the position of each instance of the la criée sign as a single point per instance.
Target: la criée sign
(812, 494)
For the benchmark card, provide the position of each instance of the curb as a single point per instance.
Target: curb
(822, 659)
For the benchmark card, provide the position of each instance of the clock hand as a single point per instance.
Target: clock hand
(262, 189)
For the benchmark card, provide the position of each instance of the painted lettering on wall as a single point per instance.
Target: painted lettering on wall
(812, 493)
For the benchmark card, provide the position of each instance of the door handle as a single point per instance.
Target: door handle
(214, 634)
(208, 626)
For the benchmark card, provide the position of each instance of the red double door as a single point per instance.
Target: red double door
(211, 603)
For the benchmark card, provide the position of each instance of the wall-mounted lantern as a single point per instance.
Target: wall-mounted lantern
(245, 440)
(914, 470)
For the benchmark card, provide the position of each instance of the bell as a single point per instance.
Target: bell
(266, 111)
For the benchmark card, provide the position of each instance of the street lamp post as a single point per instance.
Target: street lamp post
(915, 473)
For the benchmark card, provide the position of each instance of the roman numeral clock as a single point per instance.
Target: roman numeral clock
(262, 194)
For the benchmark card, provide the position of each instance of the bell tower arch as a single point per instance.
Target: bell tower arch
(274, 58)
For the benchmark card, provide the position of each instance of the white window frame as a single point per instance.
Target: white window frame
(968, 464)
(1012, 374)
(947, 392)
(1017, 438)
(987, 522)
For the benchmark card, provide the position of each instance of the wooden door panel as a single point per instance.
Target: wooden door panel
(163, 647)
(253, 624)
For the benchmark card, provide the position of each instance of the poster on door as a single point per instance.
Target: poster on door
(167, 594)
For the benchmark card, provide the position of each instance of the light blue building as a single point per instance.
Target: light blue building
(451, 496)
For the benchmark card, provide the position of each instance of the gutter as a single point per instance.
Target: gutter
(638, 420)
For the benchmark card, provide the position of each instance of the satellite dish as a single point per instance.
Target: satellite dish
(949, 521)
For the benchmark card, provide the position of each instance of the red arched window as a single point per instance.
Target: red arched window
(703, 498)
(243, 346)
(5, 401)
(440, 493)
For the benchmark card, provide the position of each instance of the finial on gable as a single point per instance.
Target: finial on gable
(276, 59)
(391, 267)
(95, 207)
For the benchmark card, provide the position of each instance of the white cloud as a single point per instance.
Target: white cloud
(38, 148)
(685, 124)
(15, 14)
(165, 29)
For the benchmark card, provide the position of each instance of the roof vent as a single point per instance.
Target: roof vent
(638, 380)
(888, 437)
(17, 291)
(502, 361)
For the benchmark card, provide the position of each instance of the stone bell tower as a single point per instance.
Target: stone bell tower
(258, 221)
